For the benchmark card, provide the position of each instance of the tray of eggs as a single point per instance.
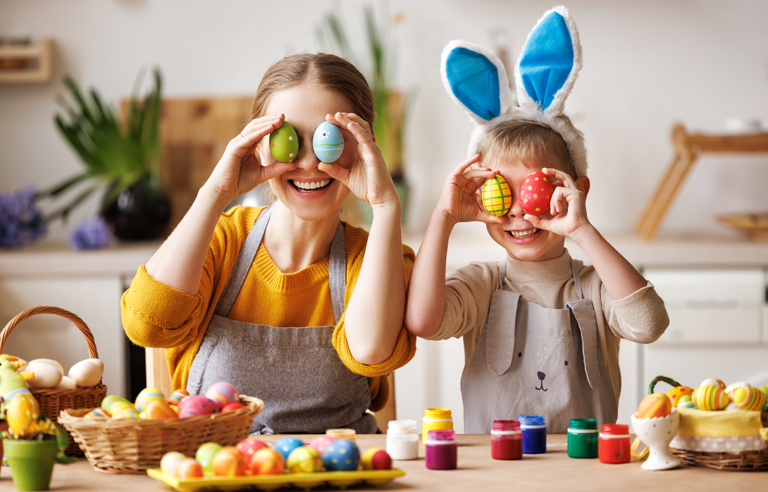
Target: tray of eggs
(326, 460)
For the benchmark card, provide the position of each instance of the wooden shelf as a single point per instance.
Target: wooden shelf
(38, 63)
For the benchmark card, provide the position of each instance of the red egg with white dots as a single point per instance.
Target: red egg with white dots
(536, 193)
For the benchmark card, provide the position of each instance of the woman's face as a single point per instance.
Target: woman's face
(308, 192)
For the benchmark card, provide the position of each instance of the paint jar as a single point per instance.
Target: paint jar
(506, 440)
(342, 433)
(435, 419)
(582, 438)
(441, 451)
(402, 440)
(614, 444)
(534, 430)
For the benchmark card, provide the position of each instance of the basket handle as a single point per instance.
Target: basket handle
(79, 323)
(664, 379)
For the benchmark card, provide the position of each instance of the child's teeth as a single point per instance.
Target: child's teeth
(311, 185)
(521, 234)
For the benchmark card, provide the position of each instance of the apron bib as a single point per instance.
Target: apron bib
(535, 360)
(295, 370)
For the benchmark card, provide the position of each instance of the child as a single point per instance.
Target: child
(541, 331)
(287, 303)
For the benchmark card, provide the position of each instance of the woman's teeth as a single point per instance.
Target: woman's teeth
(311, 185)
(522, 234)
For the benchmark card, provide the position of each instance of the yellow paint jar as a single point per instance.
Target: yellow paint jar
(342, 433)
(435, 419)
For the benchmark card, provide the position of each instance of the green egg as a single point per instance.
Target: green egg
(284, 143)
(108, 400)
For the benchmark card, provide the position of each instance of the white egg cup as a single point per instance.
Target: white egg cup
(657, 433)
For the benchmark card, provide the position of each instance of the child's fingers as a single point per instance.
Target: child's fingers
(459, 170)
(561, 176)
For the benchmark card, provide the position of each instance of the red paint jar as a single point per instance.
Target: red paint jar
(506, 440)
(614, 443)
(440, 450)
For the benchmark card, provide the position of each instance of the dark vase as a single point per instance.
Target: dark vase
(140, 212)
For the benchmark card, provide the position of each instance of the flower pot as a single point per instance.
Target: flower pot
(31, 462)
(140, 212)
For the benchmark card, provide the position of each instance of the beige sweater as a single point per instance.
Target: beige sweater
(639, 317)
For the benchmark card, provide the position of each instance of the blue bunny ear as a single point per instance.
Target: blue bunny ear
(476, 79)
(549, 63)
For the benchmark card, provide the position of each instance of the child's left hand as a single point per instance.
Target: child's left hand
(368, 178)
(567, 208)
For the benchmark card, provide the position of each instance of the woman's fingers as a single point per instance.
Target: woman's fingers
(254, 131)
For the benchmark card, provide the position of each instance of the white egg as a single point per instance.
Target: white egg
(46, 375)
(67, 383)
(99, 362)
(86, 373)
(52, 362)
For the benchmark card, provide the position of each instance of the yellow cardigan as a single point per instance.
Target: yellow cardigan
(156, 315)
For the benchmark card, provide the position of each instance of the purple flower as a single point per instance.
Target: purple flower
(92, 234)
(21, 221)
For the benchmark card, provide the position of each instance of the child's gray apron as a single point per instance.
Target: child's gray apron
(535, 360)
(295, 370)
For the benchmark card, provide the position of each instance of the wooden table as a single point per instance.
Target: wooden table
(553, 470)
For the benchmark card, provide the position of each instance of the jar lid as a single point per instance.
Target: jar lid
(441, 435)
(618, 429)
(437, 413)
(506, 425)
(402, 425)
(531, 419)
(583, 424)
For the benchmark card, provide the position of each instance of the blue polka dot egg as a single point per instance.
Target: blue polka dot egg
(341, 455)
(328, 142)
(287, 444)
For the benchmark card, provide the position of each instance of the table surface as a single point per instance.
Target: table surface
(553, 470)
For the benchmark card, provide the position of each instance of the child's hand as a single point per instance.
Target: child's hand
(569, 218)
(239, 170)
(368, 178)
(459, 199)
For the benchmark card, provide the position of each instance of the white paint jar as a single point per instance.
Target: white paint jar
(402, 440)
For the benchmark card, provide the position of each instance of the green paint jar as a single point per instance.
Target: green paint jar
(582, 438)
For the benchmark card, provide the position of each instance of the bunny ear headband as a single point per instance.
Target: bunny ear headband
(544, 75)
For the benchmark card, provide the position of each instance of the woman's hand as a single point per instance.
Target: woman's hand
(568, 206)
(239, 170)
(459, 200)
(368, 178)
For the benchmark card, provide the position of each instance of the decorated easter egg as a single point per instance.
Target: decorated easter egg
(685, 401)
(189, 468)
(341, 455)
(496, 196)
(376, 459)
(748, 398)
(147, 395)
(678, 391)
(222, 393)
(158, 410)
(195, 406)
(45, 375)
(655, 405)
(288, 444)
(231, 407)
(109, 400)
(122, 410)
(536, 193)
(170, 461)
(228, 462)
(321, 443)
(304, 460)
(284, 143)
(250, 445)
(328, 142)
(98, 414)
(710, 397)
(21, 413)
(267, 461)
(86, 373)
(741, 384)
(177, 396)
(713, 382)
(205, 453)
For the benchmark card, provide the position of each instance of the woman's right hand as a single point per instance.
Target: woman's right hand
(459, 200)
(239, 170)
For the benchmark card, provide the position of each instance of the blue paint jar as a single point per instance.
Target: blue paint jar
(534, 433)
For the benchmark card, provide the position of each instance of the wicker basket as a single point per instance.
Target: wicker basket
(52, 401)
(132, 446)
(737, 461)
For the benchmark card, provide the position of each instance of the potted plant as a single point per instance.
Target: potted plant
(123, 160)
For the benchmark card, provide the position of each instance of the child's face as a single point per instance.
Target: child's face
(305, 107)
(515, 234)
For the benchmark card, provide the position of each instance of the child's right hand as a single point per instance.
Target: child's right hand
(459, 200)
(239, 170)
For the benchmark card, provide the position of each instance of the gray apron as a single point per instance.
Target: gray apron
(295, 370)
(535, 360)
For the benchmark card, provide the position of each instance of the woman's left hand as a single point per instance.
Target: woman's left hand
(567, 207)
(368, 178)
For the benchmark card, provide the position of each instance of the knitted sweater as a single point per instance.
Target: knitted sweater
(156, 315)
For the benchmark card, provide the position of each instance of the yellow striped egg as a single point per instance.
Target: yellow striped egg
(496, 196)
(147, 395)
(21, 412)
(710, 398)
(748, 398)
(177, 396)
(124, 411)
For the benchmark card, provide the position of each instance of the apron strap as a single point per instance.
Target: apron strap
(499, 339)
(584, 313)
(337, 273)
(576, 280)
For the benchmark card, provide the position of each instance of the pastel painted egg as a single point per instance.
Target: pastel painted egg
(170, 461)
(222, 394)
(284, 143)
(341, 455)
(205, 453)
(328, 142)
(710, 397)
(536, 193)
(21, 413)
(675, 393)
(147, 395)
(685, 401)
(177, 396)
(713, 382)
(124, 411)
(98, 414)
(496, 196)
(741, 384)
(228, 462)
(108, 400)
(288, 444)
(158, 410)
(376, 459)
(304, 460)
(321, 443)
(250, 445)
(267, 461)
(195, 406)
(231, 407)
(189, 468)
(655, 405)
(748, 398)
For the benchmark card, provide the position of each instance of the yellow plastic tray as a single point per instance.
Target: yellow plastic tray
(304, 481)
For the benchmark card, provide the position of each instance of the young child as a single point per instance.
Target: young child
(287, 303)
(541, 330)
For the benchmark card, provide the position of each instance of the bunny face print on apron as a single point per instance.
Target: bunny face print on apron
(535, 360)
(296, 371)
